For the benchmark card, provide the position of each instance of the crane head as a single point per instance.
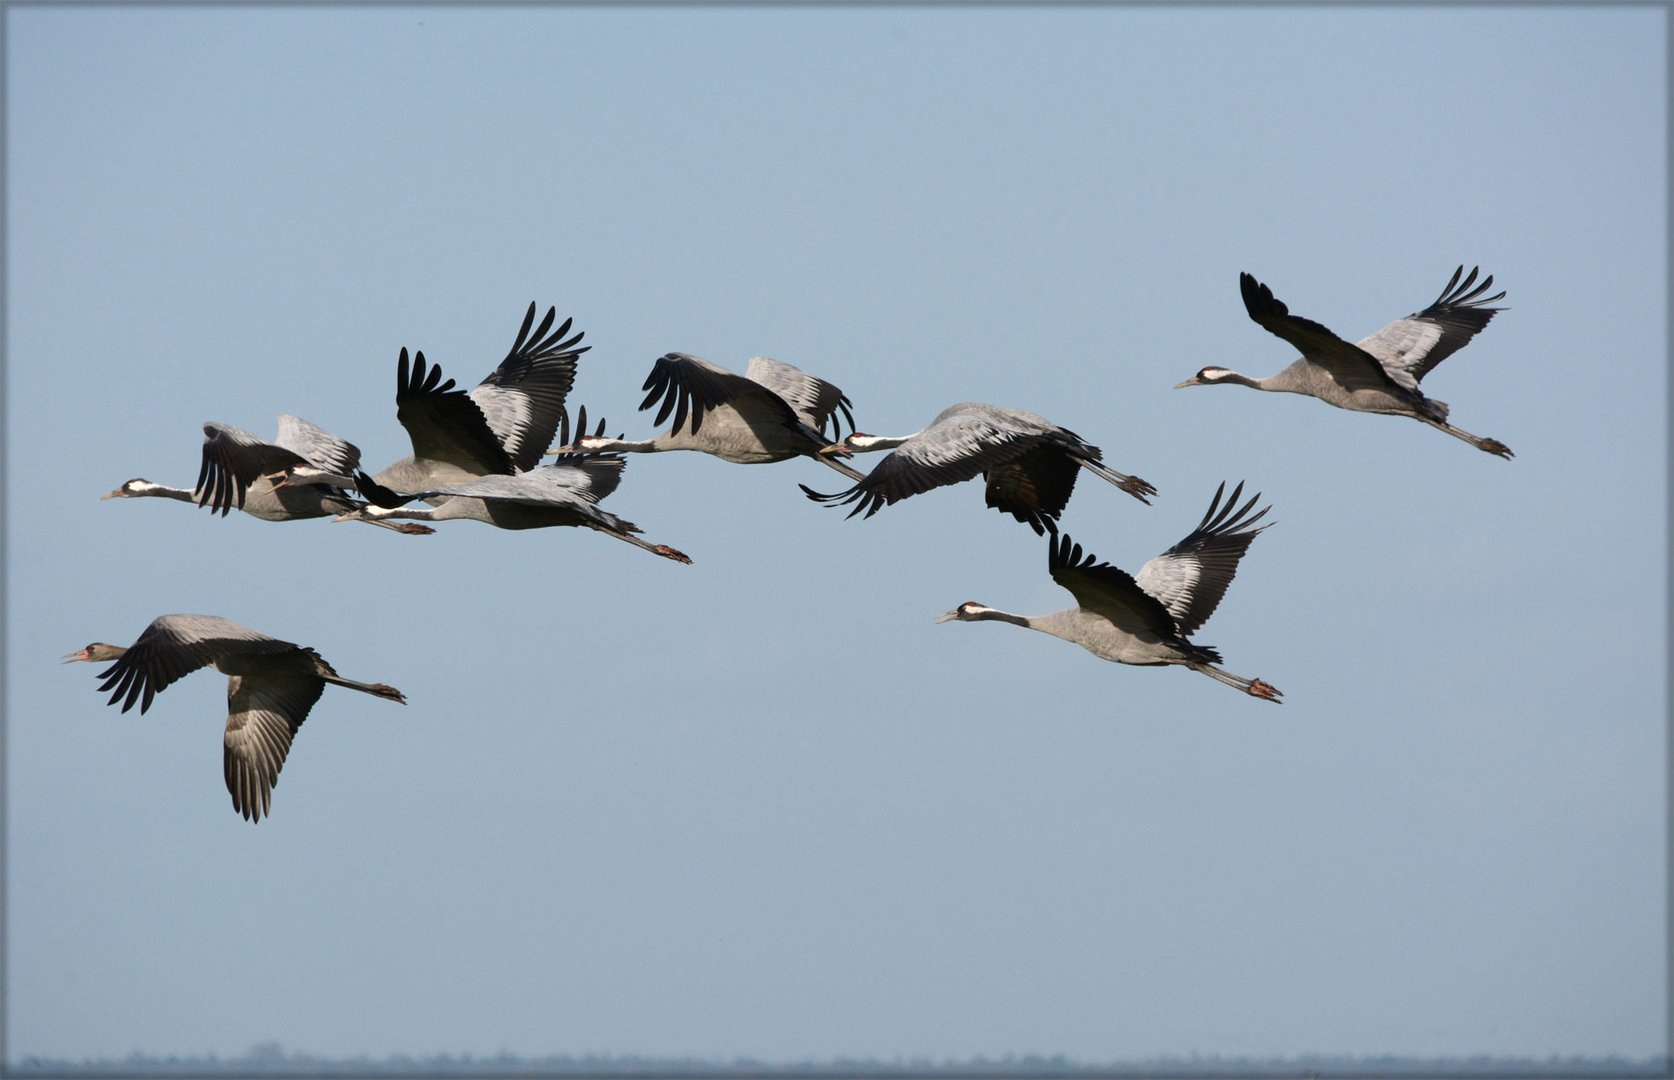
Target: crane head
(131, 488)
(1207, 376)
(969, 611)
(94, 653)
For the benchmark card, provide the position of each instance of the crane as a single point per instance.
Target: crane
(300, 474)
(772, 412)
(1029, 464)
(1146, 619)
(271, 685)
(565, 492)
(501, 426)
(1378, 374)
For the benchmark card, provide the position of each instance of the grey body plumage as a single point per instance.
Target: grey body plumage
(1380, 373)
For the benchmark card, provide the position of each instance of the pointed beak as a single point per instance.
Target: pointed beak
(1193, 381)
(70, 658)
(948, 616)
(836, 449)
(117, 494)
(568, 448)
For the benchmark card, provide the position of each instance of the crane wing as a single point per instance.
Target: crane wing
(264, 712)
(174, 646)
(1034, 487)
(1408, 348)
(1108, 591)
(815, 401)
(445, 424)
(586, 480)
(319, 447)
(689, 385)
(963, 441)
(1348, 365)
(523, 398)
(1190, 578)
(232, 460)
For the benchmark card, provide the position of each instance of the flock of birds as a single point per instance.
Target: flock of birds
(477, 456)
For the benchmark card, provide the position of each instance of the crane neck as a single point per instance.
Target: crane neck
(1238, 378)
(602, 444)
(861, 443)
(988, 614)
(146, 489)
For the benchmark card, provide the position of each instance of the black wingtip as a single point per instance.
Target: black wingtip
(377, 494)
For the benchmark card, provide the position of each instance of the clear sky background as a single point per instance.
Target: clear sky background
(763, 805)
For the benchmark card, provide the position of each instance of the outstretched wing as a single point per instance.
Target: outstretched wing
(964, 441)
(815, 401)
(582, 481)
(263, 715)
(689, 385)
(320, 448)
(445, 424)
(1408, 348)
(1107, 590)
(1034, 487)
(232, 460)
(523, 398)
(1349, 366)
(1190, 578)
(174, 646)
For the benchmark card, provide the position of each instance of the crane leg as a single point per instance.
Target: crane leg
(1133, 485)
(656, 549)
(1492, 446)
(831, 460)
(1254, 687)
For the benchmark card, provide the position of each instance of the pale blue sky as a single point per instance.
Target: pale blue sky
(763, 805)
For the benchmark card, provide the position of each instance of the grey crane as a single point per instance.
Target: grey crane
(772, 412)
(1146, 619)
(271, 685)
(1378, 374)
(300, 474)
(1028, 463)
(500, 426)
(565, 492)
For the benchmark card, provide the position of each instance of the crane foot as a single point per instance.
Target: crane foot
(672, 553)
(1265, 691)
(1138, 488)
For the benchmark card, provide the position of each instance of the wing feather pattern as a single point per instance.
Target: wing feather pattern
(174, 646)
(263, 715)
(1190, 578)
(1349, 365)
(523, 399)
(445, 424)
(1109, 591)
(964, 441)
(816, 402)
(232, 460)
(1409, 348)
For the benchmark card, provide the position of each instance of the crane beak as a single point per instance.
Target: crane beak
(117, 494)
(948, 616)
(566, 449)
(1193, 381)
(79, 654)
(836, 449)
